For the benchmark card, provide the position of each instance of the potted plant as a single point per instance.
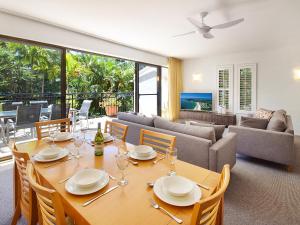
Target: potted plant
(111, 106)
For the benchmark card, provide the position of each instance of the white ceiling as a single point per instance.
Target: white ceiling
(150, 25)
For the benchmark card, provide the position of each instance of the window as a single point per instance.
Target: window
(108, 81)
(246, 87)
(225, 87)
(29, 72)
(148, 89)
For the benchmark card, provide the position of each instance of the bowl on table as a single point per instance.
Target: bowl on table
(87, 178)
(178, 186)
(143, 150)
(49, 153)
(62, 136)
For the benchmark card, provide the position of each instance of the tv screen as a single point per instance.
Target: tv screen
(196, 101)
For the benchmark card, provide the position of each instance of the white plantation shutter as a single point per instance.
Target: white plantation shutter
(247, 87)
(225, 86)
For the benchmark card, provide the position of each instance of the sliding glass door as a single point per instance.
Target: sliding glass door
(148, 89)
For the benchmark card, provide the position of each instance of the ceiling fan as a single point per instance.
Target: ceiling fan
(202, 28)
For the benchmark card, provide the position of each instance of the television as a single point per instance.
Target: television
(196, 101)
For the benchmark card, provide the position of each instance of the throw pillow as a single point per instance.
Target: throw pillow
(278, 121)
(263, 114)
(254, 122)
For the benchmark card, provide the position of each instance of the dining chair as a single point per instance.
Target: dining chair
(49, 202)
(116, 129)
(158, 141)
(24, 197)
(210, 211)
(44, 127)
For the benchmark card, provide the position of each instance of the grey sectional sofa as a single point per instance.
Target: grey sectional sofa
(274, 143)
(195, 144)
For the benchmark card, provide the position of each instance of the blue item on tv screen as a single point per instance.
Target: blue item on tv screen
(196, 101)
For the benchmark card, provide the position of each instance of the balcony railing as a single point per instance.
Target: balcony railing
(104, 103)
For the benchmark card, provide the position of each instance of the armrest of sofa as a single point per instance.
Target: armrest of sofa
(223, 152)
(265, 144)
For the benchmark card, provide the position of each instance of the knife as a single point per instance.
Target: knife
(99, 196)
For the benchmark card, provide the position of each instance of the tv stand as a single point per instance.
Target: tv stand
(208, 117)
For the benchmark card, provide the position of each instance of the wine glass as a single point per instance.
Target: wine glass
(172, 157)
(77, 142)
(83, 128)
(52, 135)
(122, 163)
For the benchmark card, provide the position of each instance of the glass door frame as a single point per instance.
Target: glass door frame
(136, 87)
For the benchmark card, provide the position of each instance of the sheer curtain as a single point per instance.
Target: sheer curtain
(175, 87)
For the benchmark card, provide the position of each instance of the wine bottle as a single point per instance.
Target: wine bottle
(99, 140)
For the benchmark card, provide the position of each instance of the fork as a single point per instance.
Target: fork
(156, 206)
(161, 158)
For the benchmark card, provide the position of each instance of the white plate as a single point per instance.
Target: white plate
(75, 190)
(63, 153)
(143, 150)
(87, 178)
(178, 186)
(187, 200)
(66, 136)
(132, 154)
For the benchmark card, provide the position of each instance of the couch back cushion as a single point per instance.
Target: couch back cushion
(254, 122)
(148, 121)
(197, 131)
(278, 121)
(219, 129)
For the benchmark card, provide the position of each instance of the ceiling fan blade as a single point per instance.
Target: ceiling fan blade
(208, 36)
(196, 23)
(184, 34)
(228, 24)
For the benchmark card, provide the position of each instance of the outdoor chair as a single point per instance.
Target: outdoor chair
(9, 106)
(56, 111)
(25, 118)
(43, 103)
(83, 112)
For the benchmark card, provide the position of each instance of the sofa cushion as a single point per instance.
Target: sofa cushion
(219, 129)
(264, 114)
(254, 122)
(278, 121)
(197, 131)
(148, 121)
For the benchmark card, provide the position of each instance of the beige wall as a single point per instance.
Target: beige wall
(276, 86)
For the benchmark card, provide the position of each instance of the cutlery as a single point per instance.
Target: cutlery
(156, 206)
(161, 158)
(99, 196)
(55, 163)
(112, 177)
(150, 184)
(133, 162)
(203, 186)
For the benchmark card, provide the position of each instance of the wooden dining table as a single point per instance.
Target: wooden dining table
(126, 205)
